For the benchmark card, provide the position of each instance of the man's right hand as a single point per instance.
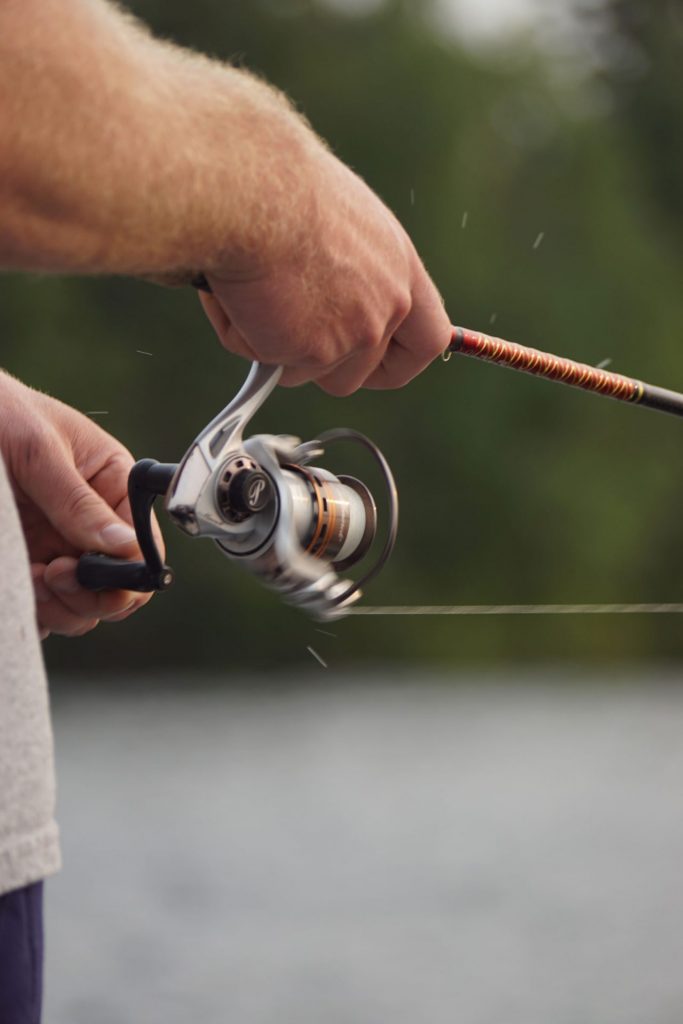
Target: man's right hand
(144, 159)
(346, 303)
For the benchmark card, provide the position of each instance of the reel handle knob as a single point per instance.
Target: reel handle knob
(103, 572)
(96, 571)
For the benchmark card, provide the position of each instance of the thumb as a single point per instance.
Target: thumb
(76, 511)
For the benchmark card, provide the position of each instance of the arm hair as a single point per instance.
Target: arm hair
(120, 153)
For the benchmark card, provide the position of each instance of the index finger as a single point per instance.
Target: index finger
(111, 483)
(61, 580)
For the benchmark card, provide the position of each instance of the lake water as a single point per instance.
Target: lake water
(352, 851)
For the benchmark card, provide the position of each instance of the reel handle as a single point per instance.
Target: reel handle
(96, 571)
(104, 572)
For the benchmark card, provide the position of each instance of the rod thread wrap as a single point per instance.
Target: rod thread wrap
(544, 364)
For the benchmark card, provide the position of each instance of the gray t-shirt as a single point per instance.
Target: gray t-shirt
(29, 841)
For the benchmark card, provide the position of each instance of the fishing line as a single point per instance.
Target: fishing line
(519, 609)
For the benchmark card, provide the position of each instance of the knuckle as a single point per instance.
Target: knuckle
(121, 456)
(78, 502)
(371, 335)
(121, 459)
(339, 389)
(308, 356)
(317, 356)
(368, 338)
(403, 306)
(316, 364)
(36, 442)
(117, 463)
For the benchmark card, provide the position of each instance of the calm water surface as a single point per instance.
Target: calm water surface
(358, 852)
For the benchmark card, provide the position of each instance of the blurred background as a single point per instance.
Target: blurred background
(533, 151)
(438, 826)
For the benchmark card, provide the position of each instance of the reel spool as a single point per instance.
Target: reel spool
(294, 525)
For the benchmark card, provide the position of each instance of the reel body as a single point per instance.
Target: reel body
(292, 524)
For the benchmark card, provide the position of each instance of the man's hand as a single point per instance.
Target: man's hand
(70, 483)
(345, 301)
(140, 158)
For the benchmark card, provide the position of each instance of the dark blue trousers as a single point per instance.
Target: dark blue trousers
(21, 955)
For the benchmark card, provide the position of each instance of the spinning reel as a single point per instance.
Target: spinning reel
(292, 524)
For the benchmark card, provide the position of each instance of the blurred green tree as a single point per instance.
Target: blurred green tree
(640, 47)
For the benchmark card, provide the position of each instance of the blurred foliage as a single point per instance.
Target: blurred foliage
(640, 47)
(512, 489)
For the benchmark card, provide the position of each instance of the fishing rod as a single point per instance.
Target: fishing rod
(565, 371)
(298, 526)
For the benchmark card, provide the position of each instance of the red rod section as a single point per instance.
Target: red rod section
(566, 371)
(543, 364)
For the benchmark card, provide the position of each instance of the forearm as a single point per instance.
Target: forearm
(121, 154)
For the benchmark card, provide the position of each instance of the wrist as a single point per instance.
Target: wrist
(252, 170)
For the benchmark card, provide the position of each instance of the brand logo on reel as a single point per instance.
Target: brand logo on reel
(255, 492)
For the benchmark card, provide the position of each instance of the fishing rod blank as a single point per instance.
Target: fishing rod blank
(563, 370)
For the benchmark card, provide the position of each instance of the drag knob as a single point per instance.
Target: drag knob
(244, 489)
